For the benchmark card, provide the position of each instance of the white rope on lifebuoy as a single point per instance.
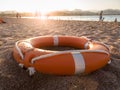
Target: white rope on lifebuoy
(21, 65)
(101, 43)
(86, 45)
(19, 50)
(69, 51)
(109, 62)
(31, 70)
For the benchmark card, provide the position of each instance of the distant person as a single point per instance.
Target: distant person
(115, 20)
(101, 16)
(18, 15)
(1, 21)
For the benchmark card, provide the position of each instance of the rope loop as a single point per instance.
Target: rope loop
(31, 70)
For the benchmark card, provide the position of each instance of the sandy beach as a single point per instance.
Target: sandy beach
(12, 77)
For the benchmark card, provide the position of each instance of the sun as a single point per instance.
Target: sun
(45, 11)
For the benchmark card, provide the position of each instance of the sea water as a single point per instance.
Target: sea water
(87, 18)
(109, 18)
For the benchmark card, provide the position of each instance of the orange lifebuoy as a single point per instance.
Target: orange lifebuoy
(94, 56)
(1, 21)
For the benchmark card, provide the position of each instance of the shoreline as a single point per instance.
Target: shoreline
(107, 18)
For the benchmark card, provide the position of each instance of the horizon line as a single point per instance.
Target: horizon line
(58, 10)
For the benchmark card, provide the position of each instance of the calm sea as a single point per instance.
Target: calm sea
(109, 18)
(87, 18)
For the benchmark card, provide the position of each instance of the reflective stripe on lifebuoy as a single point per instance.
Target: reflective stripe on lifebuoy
(79, 62)
(56, 41)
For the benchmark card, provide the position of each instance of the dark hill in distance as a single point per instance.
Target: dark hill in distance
(76, 12)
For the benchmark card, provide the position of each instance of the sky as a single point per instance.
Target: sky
(51, 5)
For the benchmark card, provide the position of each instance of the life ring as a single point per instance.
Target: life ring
(1, 21)
(94, 55)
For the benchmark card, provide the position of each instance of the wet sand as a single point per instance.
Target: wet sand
(12, 77)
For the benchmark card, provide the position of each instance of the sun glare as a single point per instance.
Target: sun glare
(46, 6)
